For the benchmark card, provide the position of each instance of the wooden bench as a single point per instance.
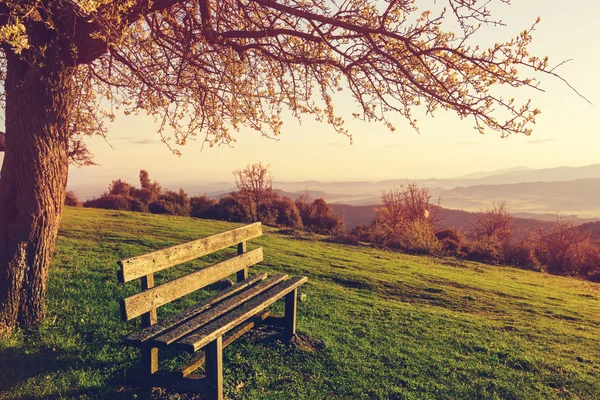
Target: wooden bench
(212, 324)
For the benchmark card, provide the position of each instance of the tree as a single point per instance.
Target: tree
(496, 223)
(559, 247)
(71, 199)
(204, 67)
(255, 188)
(404, 206)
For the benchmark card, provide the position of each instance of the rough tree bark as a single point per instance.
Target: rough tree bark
(32, 184)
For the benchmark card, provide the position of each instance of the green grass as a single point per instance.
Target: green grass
(395, 326)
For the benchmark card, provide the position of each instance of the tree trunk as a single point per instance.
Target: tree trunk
(32, 184)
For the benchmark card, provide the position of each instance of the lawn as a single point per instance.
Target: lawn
(394, 326)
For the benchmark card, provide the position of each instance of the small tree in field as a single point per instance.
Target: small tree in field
(494, 223)
(255, 188)
(404, 206)
(206, 67)
(71, 199)
(559, 247)
(491, 235)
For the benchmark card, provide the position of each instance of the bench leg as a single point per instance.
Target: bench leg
(214, 369)
(290, 313)
(149, 365)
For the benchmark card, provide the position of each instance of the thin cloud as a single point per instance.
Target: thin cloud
(540, 141)
(144, 141)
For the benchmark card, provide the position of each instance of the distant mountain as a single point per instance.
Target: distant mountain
(447, 218)
(485, 174)
(580, 197)
(558, 174)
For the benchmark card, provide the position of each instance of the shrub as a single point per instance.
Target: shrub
(162, 207)
(228, 208)
(71, 199)
(453, 242)
(200, 206)
(318, 216)
(173, 203)
(560, 249)
(486, 250)
(522, 254)
(363, 233)
(418, 237)
(343, 236)
(288, 214)
(109, 202)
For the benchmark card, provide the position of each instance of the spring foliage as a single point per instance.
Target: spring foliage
(208, 67)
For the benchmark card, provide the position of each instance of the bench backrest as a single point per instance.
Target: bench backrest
(151, 297)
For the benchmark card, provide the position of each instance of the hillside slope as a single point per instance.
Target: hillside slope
(394, 326)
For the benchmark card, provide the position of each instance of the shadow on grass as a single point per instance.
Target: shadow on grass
(19, 365)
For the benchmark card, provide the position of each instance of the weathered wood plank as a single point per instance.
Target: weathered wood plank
(197, 361)
(215, 312)
(140, 303)
(215, 329)
(136, 267)
(214, 369)
(148, 333)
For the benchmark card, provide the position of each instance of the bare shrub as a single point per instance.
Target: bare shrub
(71, 199)
(255, 190)
(560, 248)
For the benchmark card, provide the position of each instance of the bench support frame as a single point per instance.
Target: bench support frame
(214, 369)
(149, 356)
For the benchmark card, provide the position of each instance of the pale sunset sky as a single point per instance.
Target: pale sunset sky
(567, 131)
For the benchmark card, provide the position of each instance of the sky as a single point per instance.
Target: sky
(566, 133)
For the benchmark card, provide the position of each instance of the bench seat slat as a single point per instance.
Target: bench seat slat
(145, 301)
(210, 332)
(145, 334)
(215, 312)
(136, 267)
(197, 361)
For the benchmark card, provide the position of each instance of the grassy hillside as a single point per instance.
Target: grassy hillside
(394, 326)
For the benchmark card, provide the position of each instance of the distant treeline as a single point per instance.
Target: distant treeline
(249, 204)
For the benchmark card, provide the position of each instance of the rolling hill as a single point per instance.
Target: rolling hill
(364, 215)
(389, 325)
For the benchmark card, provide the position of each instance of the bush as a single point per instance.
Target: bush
(109, 202)
(343, 236)
(418, 237)
(171, 203)
(162, 207)
(200, 206)
(71, 199)
(288, 214)
(453, 242)
(228, 208)
(562, 248)
(363, 233)
(522, 254)
(487, 250)
(318, 216)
